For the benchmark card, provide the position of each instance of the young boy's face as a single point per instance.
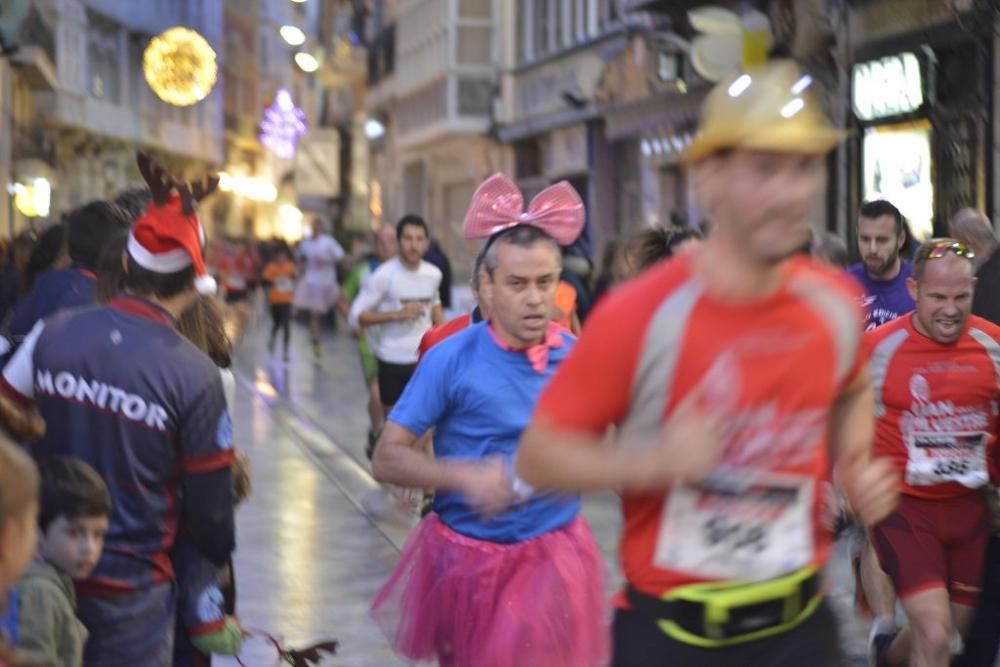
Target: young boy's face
(74, 545)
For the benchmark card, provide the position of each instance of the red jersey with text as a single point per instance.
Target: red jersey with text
(771, 370)
(936, 406)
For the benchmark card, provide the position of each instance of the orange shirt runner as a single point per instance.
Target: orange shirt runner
(281, 275)
(771, 370)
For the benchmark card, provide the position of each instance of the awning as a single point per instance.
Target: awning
(636, 118)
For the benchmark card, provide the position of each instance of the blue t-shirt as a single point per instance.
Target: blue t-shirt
(479, 398)
(885, 300)
(53, 291)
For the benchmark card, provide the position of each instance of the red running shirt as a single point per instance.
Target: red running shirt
(771, 370)
(437, 334)
(936, 406)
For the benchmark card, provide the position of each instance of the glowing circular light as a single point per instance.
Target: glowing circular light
(374, 129)
(180, 66)
(306, 61)
(292, 35)
(32, 199)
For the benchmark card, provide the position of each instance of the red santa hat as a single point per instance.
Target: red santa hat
(168, 237)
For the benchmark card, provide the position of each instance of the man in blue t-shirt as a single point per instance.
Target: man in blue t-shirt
(496, 575)
(882, 272)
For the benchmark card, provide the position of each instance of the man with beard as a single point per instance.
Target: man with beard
(882, 273)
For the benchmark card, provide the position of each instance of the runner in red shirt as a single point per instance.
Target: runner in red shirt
(736, 378)
(935, 375)
(437, 334)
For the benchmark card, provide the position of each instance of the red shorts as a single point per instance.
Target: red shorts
(928, 544)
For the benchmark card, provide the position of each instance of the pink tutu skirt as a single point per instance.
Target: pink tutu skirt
(316, 297)
(471, 603)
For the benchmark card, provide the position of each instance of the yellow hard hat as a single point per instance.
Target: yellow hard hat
(768, 108)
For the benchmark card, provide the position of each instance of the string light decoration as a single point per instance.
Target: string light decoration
(282, 126)
(180, 66)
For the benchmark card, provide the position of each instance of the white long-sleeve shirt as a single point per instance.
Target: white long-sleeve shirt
(387, 289)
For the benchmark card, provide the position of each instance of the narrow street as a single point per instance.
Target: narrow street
(318, 535)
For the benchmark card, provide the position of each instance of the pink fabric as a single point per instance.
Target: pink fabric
(498, 205)
(470, 603)
(538, 355)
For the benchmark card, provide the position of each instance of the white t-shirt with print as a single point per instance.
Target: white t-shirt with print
(389, 287)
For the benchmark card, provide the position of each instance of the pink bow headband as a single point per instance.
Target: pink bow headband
(498, 205)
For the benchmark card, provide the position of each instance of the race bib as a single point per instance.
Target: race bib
(284, 285)
(236, 282)
(937, 458)
(742, 525)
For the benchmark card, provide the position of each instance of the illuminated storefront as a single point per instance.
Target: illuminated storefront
(896, 157)
(920, 105)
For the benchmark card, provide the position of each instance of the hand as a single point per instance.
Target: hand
(872, 489)
(690, 445)
(486, 486)
(835, 506)
(411, 310)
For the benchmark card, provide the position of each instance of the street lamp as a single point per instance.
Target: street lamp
(293, 35)
(306, 61)
(374, 129)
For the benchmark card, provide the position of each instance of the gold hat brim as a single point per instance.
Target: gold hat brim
(806, 140)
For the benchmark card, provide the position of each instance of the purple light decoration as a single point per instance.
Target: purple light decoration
(282, 125)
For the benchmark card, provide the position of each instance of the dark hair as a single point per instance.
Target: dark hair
(51, 244)
(204, 324)
(655, 244)
(89, 229)
(134, 200)
(70, 488)
(110, 270)
(411, 221)
(144, 282)
(519, 235)
(281, 247)
(879, 207)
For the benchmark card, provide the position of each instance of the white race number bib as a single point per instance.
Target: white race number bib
(937, 458)
(284, 285)
(744, 525)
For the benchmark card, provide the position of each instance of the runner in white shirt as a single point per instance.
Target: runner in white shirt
(318, 290)
(399, 303)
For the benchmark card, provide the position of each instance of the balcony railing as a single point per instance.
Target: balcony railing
(31, 143)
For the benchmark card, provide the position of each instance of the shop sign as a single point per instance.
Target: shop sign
(890, 86)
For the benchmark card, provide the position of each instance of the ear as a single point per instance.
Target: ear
(913, 288)
(901, 240)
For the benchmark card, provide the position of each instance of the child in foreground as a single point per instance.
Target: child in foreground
(73, 516)
(18, 523)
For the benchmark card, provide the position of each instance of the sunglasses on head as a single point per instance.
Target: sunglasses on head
(938, 248)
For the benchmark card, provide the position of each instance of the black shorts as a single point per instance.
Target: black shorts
(392, 379)
(639, 642)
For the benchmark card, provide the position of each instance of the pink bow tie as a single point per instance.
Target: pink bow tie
(538, 355)
(498, 205)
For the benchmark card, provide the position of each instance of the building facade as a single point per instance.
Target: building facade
(433, 79)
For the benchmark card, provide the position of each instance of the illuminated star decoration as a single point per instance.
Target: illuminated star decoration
(180, 66)
(283, 124)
